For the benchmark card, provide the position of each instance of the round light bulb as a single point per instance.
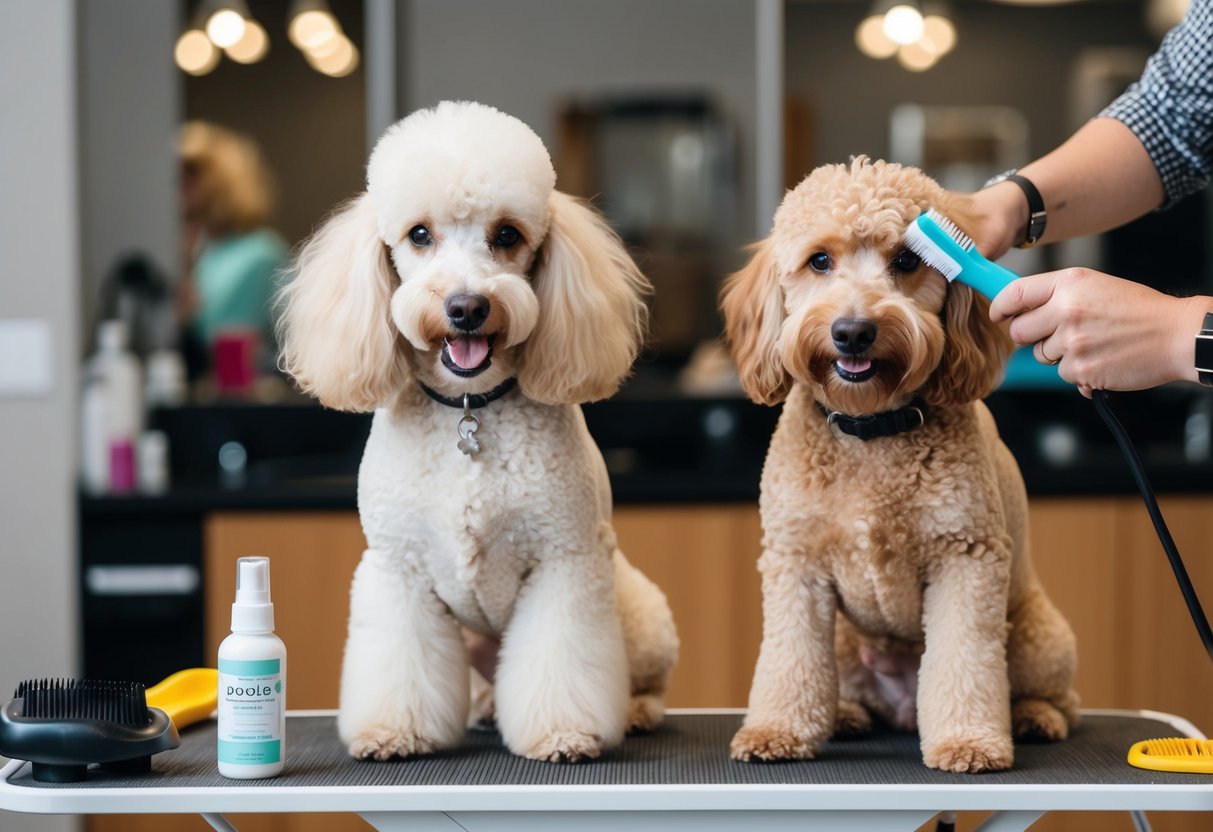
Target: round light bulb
(871, 39)
(903, 24)
(916, 57)
(338, 63)
(940, 32)
(225, 28)
(194, 53)
(252, 47)
(312, 29)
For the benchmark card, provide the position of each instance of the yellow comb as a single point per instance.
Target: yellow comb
(1173, 754)
(187, 696)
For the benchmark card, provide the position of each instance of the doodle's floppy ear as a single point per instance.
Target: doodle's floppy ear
(335, 329)
(752, 303)
(592, 313)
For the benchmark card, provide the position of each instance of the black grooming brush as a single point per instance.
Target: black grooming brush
(63, 725)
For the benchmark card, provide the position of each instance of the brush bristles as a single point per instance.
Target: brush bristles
(124, 703)
(1179, 747)
(928, 252)
(951, 229)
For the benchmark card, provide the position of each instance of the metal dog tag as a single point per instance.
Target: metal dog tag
(468, 425)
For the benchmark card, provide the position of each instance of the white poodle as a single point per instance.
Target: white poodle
(472, 307)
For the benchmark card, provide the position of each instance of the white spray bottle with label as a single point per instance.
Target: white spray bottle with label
(252, 681)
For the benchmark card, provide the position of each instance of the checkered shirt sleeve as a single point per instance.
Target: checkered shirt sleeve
(1171, 108)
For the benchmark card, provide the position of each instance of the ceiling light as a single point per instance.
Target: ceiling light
(194, 52)
(313, 29)
(903, 24)
(338, 62)
(252, 47)
(916, 57)
(871, 39)
(225, 27)
(940, 32)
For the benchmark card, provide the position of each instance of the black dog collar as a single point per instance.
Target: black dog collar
(888, 423)
(473, 400)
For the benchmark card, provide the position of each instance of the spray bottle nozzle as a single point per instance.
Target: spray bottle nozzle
(253, 581)
(252, 611)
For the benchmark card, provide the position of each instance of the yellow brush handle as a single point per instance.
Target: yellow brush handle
(187, 696)
(1173, 754)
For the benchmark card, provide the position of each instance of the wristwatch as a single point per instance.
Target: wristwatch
(1037, 216)
(1204, 351)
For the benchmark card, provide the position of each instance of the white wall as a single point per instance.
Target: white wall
(39, 279)
(526, 56)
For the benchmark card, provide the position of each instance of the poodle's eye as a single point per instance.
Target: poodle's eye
(420, 236)
(906, 261)
(820, 262)
(507, 237)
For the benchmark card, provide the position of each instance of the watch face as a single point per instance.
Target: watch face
(1204, 354)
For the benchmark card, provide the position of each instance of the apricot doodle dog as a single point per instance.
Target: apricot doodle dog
(472, 306)
(894, 518)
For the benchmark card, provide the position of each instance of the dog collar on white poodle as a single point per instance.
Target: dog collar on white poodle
(469, 424)
(890, 423)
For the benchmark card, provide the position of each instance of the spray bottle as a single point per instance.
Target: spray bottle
(252, 681)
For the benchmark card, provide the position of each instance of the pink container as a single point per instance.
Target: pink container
(122, 466)
(234, 353)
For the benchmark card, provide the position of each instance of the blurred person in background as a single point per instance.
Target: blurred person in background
(230, 255)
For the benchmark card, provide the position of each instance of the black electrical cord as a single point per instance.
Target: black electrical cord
(1164, 535)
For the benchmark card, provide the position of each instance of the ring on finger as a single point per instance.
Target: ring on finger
(1050, 361)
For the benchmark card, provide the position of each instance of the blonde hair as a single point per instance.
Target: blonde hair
(235, 188)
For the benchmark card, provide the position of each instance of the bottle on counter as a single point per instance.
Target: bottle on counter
(111, 412)
(252, 681)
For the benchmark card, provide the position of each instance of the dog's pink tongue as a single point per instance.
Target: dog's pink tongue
(854, 365)
(468, 351)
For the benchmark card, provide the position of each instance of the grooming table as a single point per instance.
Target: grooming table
(677, 778)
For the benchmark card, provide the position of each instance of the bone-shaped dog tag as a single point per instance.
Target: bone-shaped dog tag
(468, 443)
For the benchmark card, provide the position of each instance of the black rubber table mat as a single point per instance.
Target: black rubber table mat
(688, 749)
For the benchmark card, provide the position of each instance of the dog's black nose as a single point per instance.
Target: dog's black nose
(853, 336)
(467, 312)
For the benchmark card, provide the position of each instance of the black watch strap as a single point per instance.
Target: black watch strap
(1204, 351)
(1036, 210)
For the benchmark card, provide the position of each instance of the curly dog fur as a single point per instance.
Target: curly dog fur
(911, 543)
(460, 269)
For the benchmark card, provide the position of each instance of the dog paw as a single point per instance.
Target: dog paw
(1039, 721)
(383, 743)
(645, 712)
(566, 747)
(853, 719)
(762, 742)
(970, 756)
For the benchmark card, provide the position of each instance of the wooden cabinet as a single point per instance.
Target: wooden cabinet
(1098, 558)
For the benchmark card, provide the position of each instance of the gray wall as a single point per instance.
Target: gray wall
(39, 276)
(527, 56)
(129, 113)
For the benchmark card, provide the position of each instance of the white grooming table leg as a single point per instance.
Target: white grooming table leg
(1010, 821)
(790, 821)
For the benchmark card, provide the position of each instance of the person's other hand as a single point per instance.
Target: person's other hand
(1104, 333)
(1001, 213)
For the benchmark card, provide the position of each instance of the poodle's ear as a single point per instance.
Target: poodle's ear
(752, 302)
(335, 329)
(975, 351)
(592, 313)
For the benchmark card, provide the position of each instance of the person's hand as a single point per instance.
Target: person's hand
(1104, 333)
(1001, 214)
